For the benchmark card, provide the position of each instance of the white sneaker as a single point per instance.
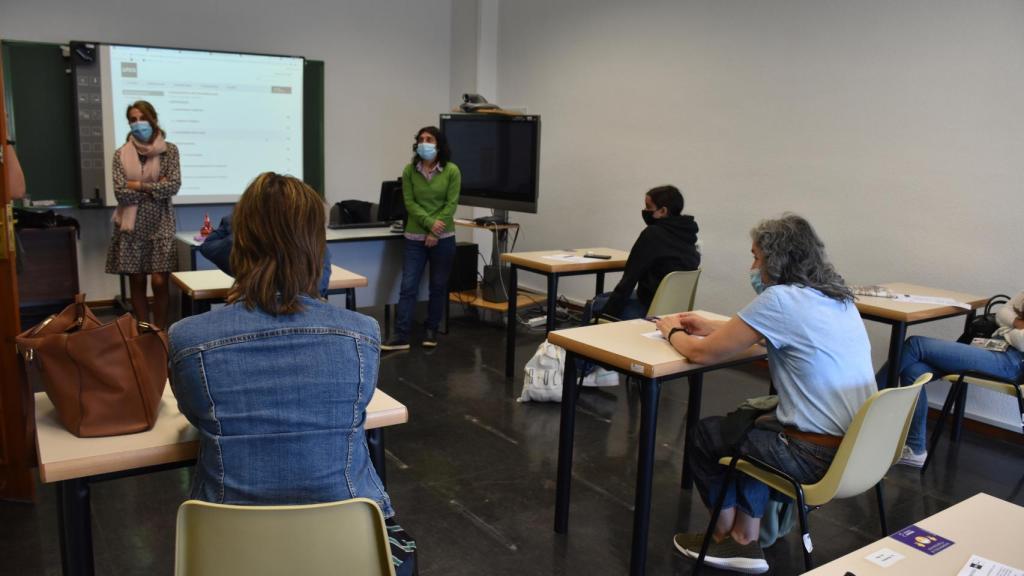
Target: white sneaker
(912, 459)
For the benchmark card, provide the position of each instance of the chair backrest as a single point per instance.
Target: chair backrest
(872, 444)
(675, 293)
(338, 537)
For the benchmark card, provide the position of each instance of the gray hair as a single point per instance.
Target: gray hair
(792, 253)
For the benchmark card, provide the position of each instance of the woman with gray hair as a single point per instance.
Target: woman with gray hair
(819, 358)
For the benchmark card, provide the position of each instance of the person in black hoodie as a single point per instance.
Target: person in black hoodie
(667, 244)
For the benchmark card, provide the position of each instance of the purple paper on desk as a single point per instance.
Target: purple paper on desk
(923, 540)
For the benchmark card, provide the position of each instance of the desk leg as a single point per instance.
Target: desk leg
(510, 321)
(599, 284)
(202, 306)
(350, 299)
(566, 430)
(644, 474)
(186, 305)
(552, 301)
(74, 521)
(958, 412)
(896, 338)
(692, 419)
(375, 442)
(387, 321)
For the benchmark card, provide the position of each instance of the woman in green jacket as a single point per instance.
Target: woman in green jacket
(430, 186)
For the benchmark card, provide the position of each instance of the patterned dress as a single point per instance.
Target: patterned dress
(150, 246)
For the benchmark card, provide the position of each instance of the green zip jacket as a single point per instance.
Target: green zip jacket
(429, 201)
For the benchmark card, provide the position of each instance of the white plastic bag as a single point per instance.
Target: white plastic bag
(542, 381)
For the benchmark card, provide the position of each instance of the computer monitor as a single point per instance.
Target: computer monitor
(499, 156)
(392, 204)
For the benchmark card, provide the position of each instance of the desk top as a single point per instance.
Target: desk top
(341, 235)
(622, 344)
(911, 312)
(981, 525)
(214, 284)
(491, 226)
(63, 456)
(537, 261)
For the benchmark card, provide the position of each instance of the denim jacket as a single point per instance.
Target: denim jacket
(279, 402)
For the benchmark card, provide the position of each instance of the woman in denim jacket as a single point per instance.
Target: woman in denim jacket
(277, 381)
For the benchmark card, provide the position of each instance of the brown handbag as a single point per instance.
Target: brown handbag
(103, 379)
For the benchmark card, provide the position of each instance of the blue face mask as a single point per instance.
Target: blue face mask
(142, 130)
(755, 280)
(427, 151)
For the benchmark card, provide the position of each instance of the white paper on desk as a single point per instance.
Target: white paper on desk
(569, 258)
(884, 557)
(657, 335)
(978, 566)
(938, 301)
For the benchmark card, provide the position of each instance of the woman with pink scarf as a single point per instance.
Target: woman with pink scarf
(146, 175)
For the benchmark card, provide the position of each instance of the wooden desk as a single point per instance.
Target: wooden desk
(981, 525)
(200, 288)
(538, 263)
(899, 315)
(621, 346)
(73, 462)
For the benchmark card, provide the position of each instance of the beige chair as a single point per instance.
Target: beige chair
(346, 537)
(873, 442)
(676, 293)
(958, 395)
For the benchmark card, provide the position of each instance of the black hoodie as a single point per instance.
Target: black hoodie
(667, 245)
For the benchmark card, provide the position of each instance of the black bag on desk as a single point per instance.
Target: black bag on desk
(351, 212)
(985, 325)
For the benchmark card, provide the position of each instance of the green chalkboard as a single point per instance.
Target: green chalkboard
(39, 105)
(40, 110)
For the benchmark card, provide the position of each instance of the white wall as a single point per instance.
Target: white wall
(895, 127)
(387, 68)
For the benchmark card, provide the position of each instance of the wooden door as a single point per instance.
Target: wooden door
(17, 418)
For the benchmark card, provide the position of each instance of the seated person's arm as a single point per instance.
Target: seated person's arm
(722, 338)
(217, 246)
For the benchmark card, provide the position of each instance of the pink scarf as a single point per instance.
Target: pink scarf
(124, 215)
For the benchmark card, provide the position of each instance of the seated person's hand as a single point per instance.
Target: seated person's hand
(437, 228)
(695, 324)
(133, 185)
(430, 241)
(665, 324)
(1018, 323)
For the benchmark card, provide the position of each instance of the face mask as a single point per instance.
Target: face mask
(427, 151)
(142, 130)
(648, 216)
(755, 280)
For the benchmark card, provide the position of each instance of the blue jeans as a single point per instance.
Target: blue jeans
(941, 357)
(802, 460)
(631, 310)
(417, 255)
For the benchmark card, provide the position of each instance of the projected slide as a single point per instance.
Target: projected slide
(231, 115)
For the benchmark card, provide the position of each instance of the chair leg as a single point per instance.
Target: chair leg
(805, 531)
(714, 516)
(881, 507)
(954, 392)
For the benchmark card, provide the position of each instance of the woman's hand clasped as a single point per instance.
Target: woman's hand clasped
(693, 323)
(437, 228)
(430, 241)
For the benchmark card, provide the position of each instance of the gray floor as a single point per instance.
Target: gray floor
(472, 478)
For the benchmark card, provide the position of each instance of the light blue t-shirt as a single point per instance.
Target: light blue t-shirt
(818, 354)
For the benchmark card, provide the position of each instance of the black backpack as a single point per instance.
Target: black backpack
(985, 325)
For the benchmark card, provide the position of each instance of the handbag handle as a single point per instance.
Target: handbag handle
(996, 300)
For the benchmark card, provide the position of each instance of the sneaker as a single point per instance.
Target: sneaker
(726, 555)
(913, 459)
(395, 343)
(430, 338)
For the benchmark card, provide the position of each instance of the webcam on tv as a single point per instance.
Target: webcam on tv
(475, 103)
